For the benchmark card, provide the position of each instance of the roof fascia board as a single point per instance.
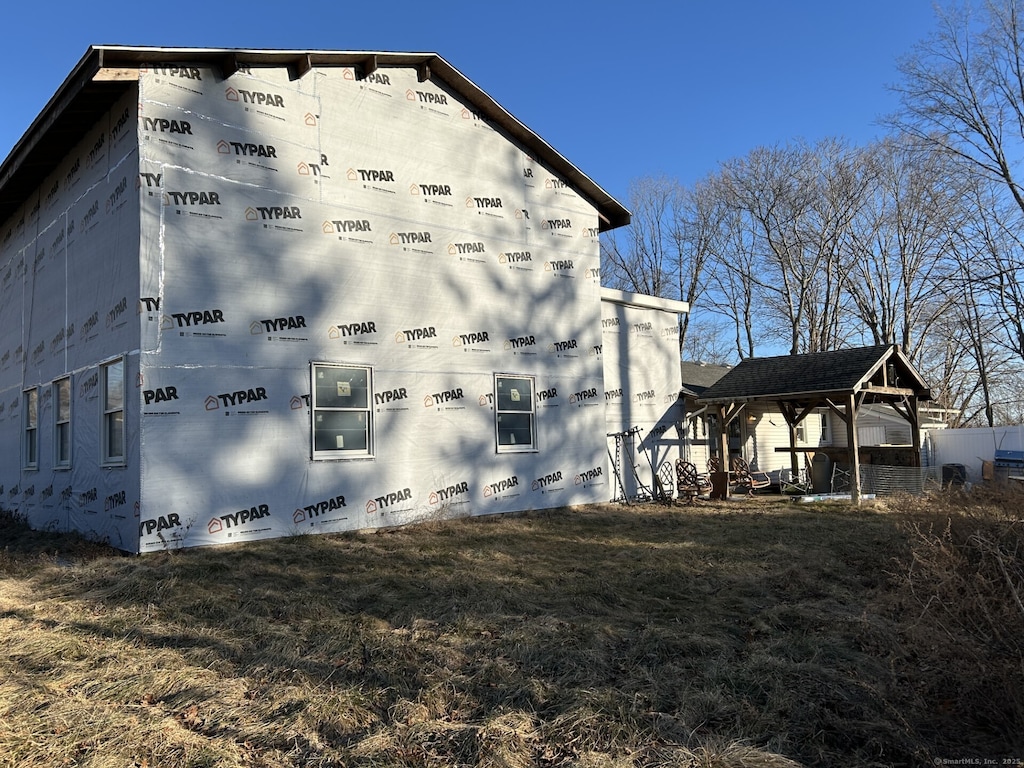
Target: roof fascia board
(77, 79)
(643, 301)
(610, 212)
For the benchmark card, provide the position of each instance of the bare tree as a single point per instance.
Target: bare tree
(962, 90)
(792, 208)
(641, 257)
(665, 248)
(900, 243)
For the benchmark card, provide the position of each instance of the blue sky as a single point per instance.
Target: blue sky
(622, 89)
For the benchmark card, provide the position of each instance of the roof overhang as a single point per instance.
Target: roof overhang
(643, 301)
(105, 72)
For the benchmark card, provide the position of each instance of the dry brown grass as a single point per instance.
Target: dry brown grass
(743, 634)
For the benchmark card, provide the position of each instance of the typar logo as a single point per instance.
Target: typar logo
(426, 97)
(389, 396)
(272, 213)
(561, 267)
(342, 227)
(371, 175)
(238, 397)
(193, 199)
(501, 487)
(520, 344)
(355, 329)
(410, 239)
(239, 519)
(256, 98)
(545, 396)
(116, 312)
(592, 476)
(487, 206)
(96, 152)
(159, 524)
(647, 396)
(194, 318)
(430, 190)
(449, 494)
(163, 125)
(384, 501)
(314, 169)
(318, 508)
(641, 329)
(185, 73)
(461, 249)
(160, 395)
(246, 149)
(277, 324)
(515, 257)
(445, 398)
(471, 339)
(414, 335)
(547, 482)
(583, 397)
(562, 347)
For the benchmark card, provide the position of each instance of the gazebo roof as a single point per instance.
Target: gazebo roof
(879, 370)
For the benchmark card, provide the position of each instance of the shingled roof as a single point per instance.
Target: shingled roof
(697, 377)
(819, 373)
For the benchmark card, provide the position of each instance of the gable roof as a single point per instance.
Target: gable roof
(697, 377)
(106, 72)
(819, 373)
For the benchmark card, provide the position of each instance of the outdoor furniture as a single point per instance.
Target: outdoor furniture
(663, 481)
(689, 484)
(840, 479)
(744, 477)
(794, 483)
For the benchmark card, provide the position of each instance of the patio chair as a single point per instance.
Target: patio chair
(794, 483)
(744, 477)
(689, 484)
(663, 481)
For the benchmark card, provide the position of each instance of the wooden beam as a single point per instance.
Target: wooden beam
(366, 67)
(115, 75)
(423, 72)
(852, 447)
(229, 65)
(301, 66)
(915, 430)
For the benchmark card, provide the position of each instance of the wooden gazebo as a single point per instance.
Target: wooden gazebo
(843, 381)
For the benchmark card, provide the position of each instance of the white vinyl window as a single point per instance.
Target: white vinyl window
(62, 423)
(826, 433)
(112, 393)
(515, 425)
(30, 449)
(342, 411)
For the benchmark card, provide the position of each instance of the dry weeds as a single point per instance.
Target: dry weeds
(751, 633)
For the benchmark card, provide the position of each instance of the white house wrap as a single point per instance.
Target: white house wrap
(269, 293)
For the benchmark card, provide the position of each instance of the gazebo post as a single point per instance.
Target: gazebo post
(853, 447)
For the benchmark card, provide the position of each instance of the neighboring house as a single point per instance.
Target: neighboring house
(756, 435)
(248, 294)
(822, 399)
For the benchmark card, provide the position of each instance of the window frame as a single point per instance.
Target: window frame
(108, 414)
(513, 447)
(317, 410)
(60, 461)
(30, 428)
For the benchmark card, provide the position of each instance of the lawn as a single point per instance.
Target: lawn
(744, 633)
